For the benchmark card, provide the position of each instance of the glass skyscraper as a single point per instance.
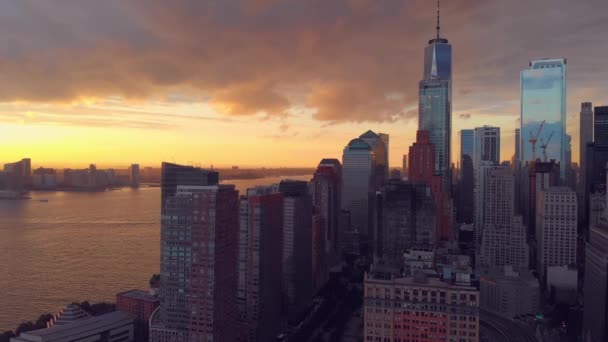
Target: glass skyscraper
(435, 103)
(543, 104)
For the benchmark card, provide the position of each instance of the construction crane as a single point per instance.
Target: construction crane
(544, 145)
(534, 139)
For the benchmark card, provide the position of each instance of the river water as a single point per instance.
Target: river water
(79, 246)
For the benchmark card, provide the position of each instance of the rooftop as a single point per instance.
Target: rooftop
(72, 330)
(139, 295)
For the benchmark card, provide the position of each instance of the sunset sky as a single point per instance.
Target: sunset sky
(270, 82)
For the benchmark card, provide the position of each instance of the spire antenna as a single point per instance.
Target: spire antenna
(438, 26)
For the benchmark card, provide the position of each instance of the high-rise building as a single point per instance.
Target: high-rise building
(379, 145)
(556, 225)
(198, 268)
(259, 265)
(421, 170)
(543, 112)
(134, 175)
(595, 316)
(419, 309)
(404, 216)
(466, 189)
(435, 103)
(487, 145)
(326, 198)
(358, 182)
(173, 175)
(404, 167)
(297, 247)
(597, 154)
(585, 138)
(503, 235)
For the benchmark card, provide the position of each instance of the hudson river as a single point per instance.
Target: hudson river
(79, 246)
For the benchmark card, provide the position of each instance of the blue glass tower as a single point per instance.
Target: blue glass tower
(543, 112)
(435, 102)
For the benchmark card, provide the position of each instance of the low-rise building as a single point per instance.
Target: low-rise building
(509, 293)
(111, 327)
(562, 283)
(419, 309)
(139, 305)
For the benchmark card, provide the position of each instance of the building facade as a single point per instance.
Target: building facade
(435, 103)
(358, 182)
(297, 248)
(466, 190)
(139, 305)
(486, 146)
(556, 226)
(259, 265)
(510, 292)
(199, 246)
(327, 200)
(543, 111)
(419, 309)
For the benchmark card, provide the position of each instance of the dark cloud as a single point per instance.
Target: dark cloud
(350, 60)
(465, 116)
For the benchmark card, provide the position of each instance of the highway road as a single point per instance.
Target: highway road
(509, 330)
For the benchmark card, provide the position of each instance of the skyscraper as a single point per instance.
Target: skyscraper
(358, 182)
(595, 319)
(198, 268)
(259, 265)
(403, 217)
(487, 145)
(435, 102)
(421, 170)
(543, 111)
(173, 175)
(467, 176)
(379, 145)
(585, 138)
(326, 198)
(134, 175)
(503, 233)
(297, 247)
(556, 224)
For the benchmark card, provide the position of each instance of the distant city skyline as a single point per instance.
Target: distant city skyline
(198, 103)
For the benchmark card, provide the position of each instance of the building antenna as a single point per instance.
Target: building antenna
(438, 12)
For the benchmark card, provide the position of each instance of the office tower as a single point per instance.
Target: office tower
(467, 177)
(486, 146)
(543, 112)
(597, 153)
(379, 145)
(595, 315)
(140, 306)
(556, 224)
(419, 309)
(404, 167)
(403, 217)
(358, 164)
(44, 178)
(173, 175)
(198, 268)
(297, 247)
(134, 175)
(509, 292)
(421, 170)
(503, 236)
(259, 265)
(535, 178)
(327, 199)
(435, 103)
